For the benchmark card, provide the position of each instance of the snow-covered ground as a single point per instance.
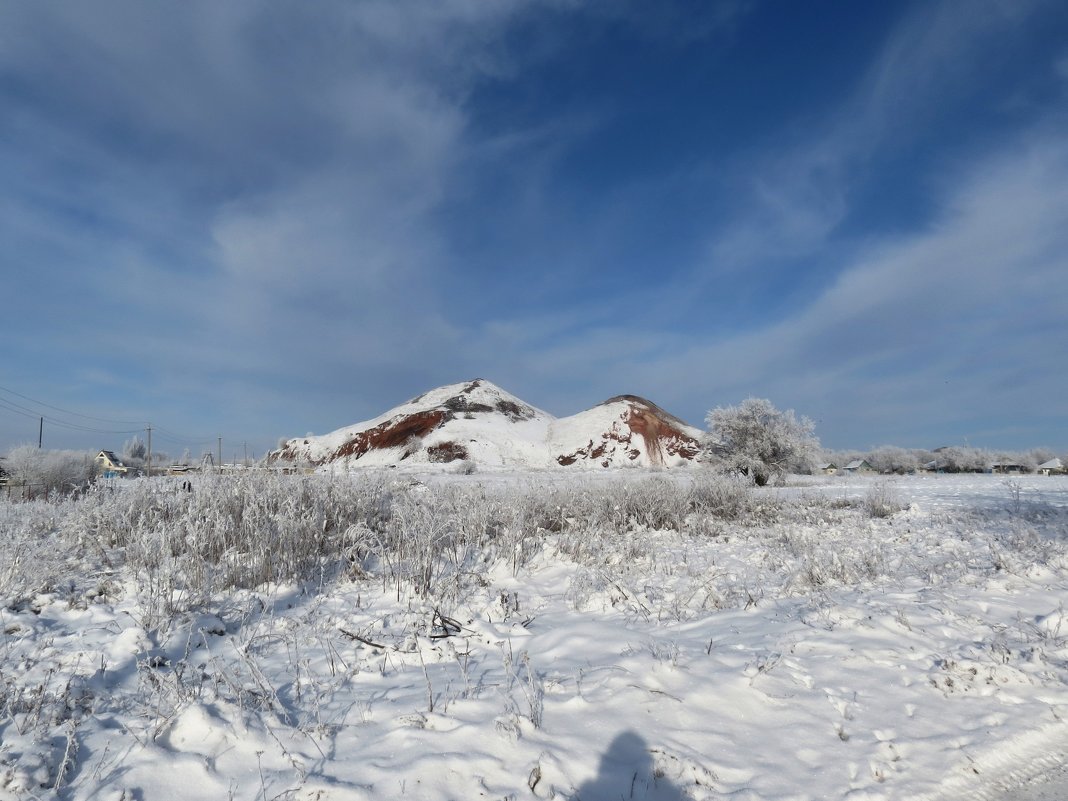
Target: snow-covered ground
(617, 636)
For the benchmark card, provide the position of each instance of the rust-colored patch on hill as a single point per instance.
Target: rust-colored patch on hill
(602, 449)
(660, 435)
(664, 436)
(393, 433)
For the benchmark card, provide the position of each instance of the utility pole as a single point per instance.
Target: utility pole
(219, 462)
(149, 430)
(246, 453)
(40, 434)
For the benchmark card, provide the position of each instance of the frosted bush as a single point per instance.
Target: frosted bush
(438, 543)
(43, 472)
(654, 503)
(239, 531)
(234, 606)
(881, 500)
(721, 495)
(32, 558)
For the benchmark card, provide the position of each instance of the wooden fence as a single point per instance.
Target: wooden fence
(23, 492)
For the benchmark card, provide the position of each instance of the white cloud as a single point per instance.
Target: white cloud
(927, 330)
(794, 190)
(923, 336)
(250, 187)
(256, 189)
(1060, 67)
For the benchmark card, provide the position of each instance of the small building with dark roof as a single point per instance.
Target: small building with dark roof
(859, 466)
(111, 465)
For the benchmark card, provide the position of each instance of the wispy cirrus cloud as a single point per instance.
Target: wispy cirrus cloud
(929, 334)
(794, 189)
(270, 172)
(275, 218)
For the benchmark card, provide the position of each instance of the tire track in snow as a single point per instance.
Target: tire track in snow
(1000, 773)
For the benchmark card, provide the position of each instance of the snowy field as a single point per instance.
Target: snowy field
(624, 635)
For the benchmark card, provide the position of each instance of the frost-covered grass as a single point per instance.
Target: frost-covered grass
(521, 635)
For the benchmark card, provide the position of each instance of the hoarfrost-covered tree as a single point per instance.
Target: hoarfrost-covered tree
(892, 459)
(134, 451)
(49, 471)
(963, 460)
(760, 441)
(1041, 455)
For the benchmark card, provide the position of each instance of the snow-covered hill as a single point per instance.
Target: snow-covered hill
(480, 422)
(624, 430)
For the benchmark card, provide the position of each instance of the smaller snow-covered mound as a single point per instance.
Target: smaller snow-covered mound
(624, 430)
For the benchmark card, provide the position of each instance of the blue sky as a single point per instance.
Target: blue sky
(254, 220)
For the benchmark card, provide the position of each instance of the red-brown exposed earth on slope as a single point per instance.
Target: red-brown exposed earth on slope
(393, 434)
(661, 431)
(663, 434)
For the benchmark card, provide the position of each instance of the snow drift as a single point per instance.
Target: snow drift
(480, 422)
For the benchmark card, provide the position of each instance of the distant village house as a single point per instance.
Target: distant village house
(1054, 467)
(859, 466)
(111, 465)
(1008, 467)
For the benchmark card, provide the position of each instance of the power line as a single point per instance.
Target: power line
(18, 406)
(184, 439)
(67, 411)
(35, 414)
(4, 405)
(21, 410)
(26, 411)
